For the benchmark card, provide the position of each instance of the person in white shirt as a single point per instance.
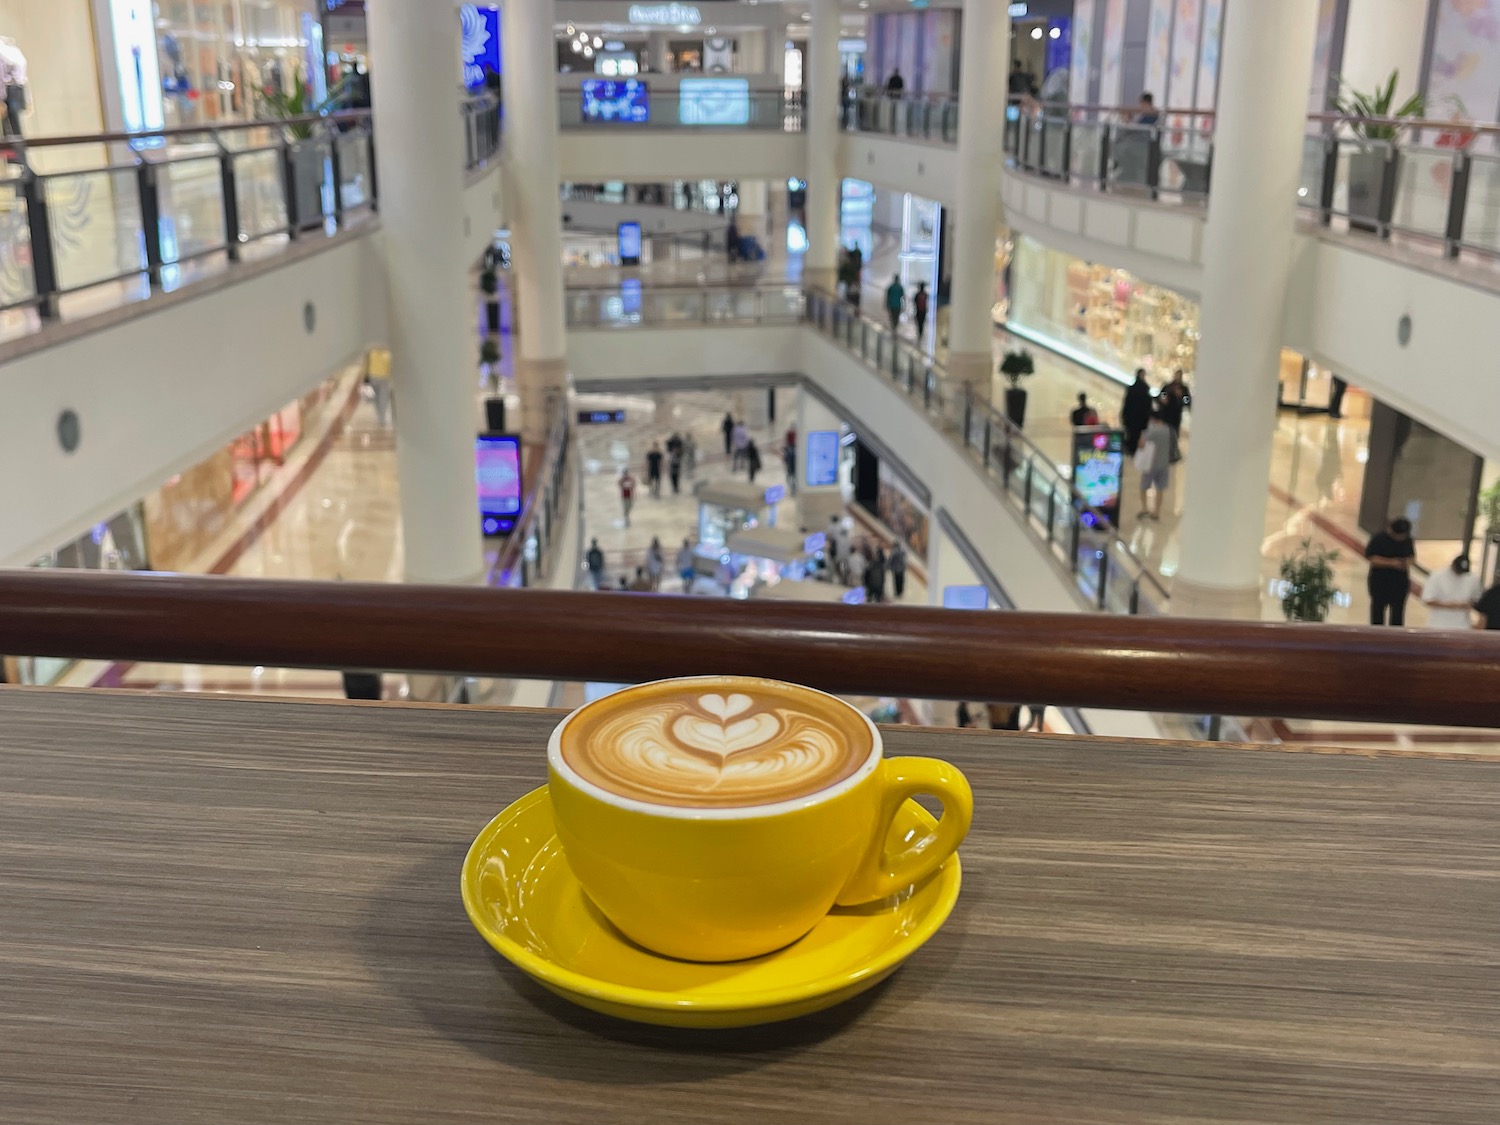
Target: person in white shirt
(1449, 594)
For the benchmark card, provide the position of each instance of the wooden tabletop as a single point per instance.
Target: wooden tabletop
(230, 911)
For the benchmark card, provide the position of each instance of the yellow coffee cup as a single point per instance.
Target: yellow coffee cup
(726, 883)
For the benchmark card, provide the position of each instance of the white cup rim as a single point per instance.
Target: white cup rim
(559, 766)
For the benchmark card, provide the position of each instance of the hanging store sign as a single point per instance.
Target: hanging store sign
(664, 15)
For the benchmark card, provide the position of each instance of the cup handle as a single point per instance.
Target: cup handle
(881, 873)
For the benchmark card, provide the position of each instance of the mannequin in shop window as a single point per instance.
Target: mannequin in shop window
(13, 83)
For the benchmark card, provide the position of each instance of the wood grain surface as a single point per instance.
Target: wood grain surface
(215, 910)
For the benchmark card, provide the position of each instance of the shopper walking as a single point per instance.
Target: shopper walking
(378, 378)
(752, 459)
(875, 576)
(1004, 716)
(594, 562)
(1036, 717)
(674, 467)
(965, 717)
(920, 302)
(1173, 400)
(895, 300)
(1136, 414)
(727, 426)
(789, 463)
(687, 566)
(653, 469)
(897, 566)
(1488, 608)
(690, 454)
(1389, 582)
(656, 563)
(1153, 461)
(740, 438)
(859, 561)
(1449, 595)
(627, 494)
(1083, 414)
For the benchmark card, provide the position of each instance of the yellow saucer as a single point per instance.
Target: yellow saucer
(523, 898)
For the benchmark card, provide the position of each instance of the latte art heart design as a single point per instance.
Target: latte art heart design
(715, 749)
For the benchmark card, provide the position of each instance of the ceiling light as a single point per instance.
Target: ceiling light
(588, 52)
(571, 29)
(1036, 33)
(1055, 33)
(575, 46)
(598, 42)
(807, 17)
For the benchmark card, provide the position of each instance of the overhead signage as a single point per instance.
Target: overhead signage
(664, 15)
(776, 494)
(601, 417)
(1018, 11)
(966, 597)
(481, 43)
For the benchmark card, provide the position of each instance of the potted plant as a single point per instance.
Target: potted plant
(489, 285)
(1308, 575)
(1376, 145)
(308, 160)
(489, 351)
(1489, 509)
(1016, 366)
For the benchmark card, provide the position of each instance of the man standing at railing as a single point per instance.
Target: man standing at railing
(895, 301)
(1390, 553)
(895, 85)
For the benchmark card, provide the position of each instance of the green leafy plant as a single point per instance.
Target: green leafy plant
(489, 350)
(1489, 508)
(1380, 102)
(1308, 575)
(488, 282)
(277, 105)
(1017, 365)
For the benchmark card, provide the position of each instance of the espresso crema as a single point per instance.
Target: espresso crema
(720, 742)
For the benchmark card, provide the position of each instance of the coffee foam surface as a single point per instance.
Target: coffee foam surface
(716, 743)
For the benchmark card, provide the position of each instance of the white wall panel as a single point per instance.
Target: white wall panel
(161, 390)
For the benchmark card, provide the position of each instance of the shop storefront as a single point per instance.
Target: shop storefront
(215, 58)
(1103, 317)
(171, 528)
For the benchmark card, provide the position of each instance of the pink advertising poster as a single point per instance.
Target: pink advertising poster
(1184, 69)
(1114, 42)
(1465, 76)
(1159, 48)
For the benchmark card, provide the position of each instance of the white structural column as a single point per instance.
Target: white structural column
(985, 62)
(657, 51)
(751, 216)
(530, 146)
(1381, 36)
(1247, 260)
(420, 150)
(820, 82)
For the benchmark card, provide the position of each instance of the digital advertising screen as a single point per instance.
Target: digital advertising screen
(1098, 460)
(630, 298)
(822, 458)
(630, 244)
(497, 471)
(601, 417)
(714, 101)
(966, 597)
(615, 101)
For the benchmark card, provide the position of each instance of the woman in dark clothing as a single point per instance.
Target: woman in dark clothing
(752, 460)
(1136, 414)
(1172, 401)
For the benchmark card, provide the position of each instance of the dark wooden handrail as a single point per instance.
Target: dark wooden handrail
(1129, 663)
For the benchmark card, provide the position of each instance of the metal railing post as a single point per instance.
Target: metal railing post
(1051, 514)
(1387, 211)
(229, 185)
(150, 200)
(987, 445)
(1026, 492)
(1103, 576)
(289, 186)
(1458, 202)
(1077, 529)
(369, 131)
(1330, 179)
(1135, 598)
(1153, 160)
(336, 163)
(43, 261)
(1106, 143)
(1066, 167)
